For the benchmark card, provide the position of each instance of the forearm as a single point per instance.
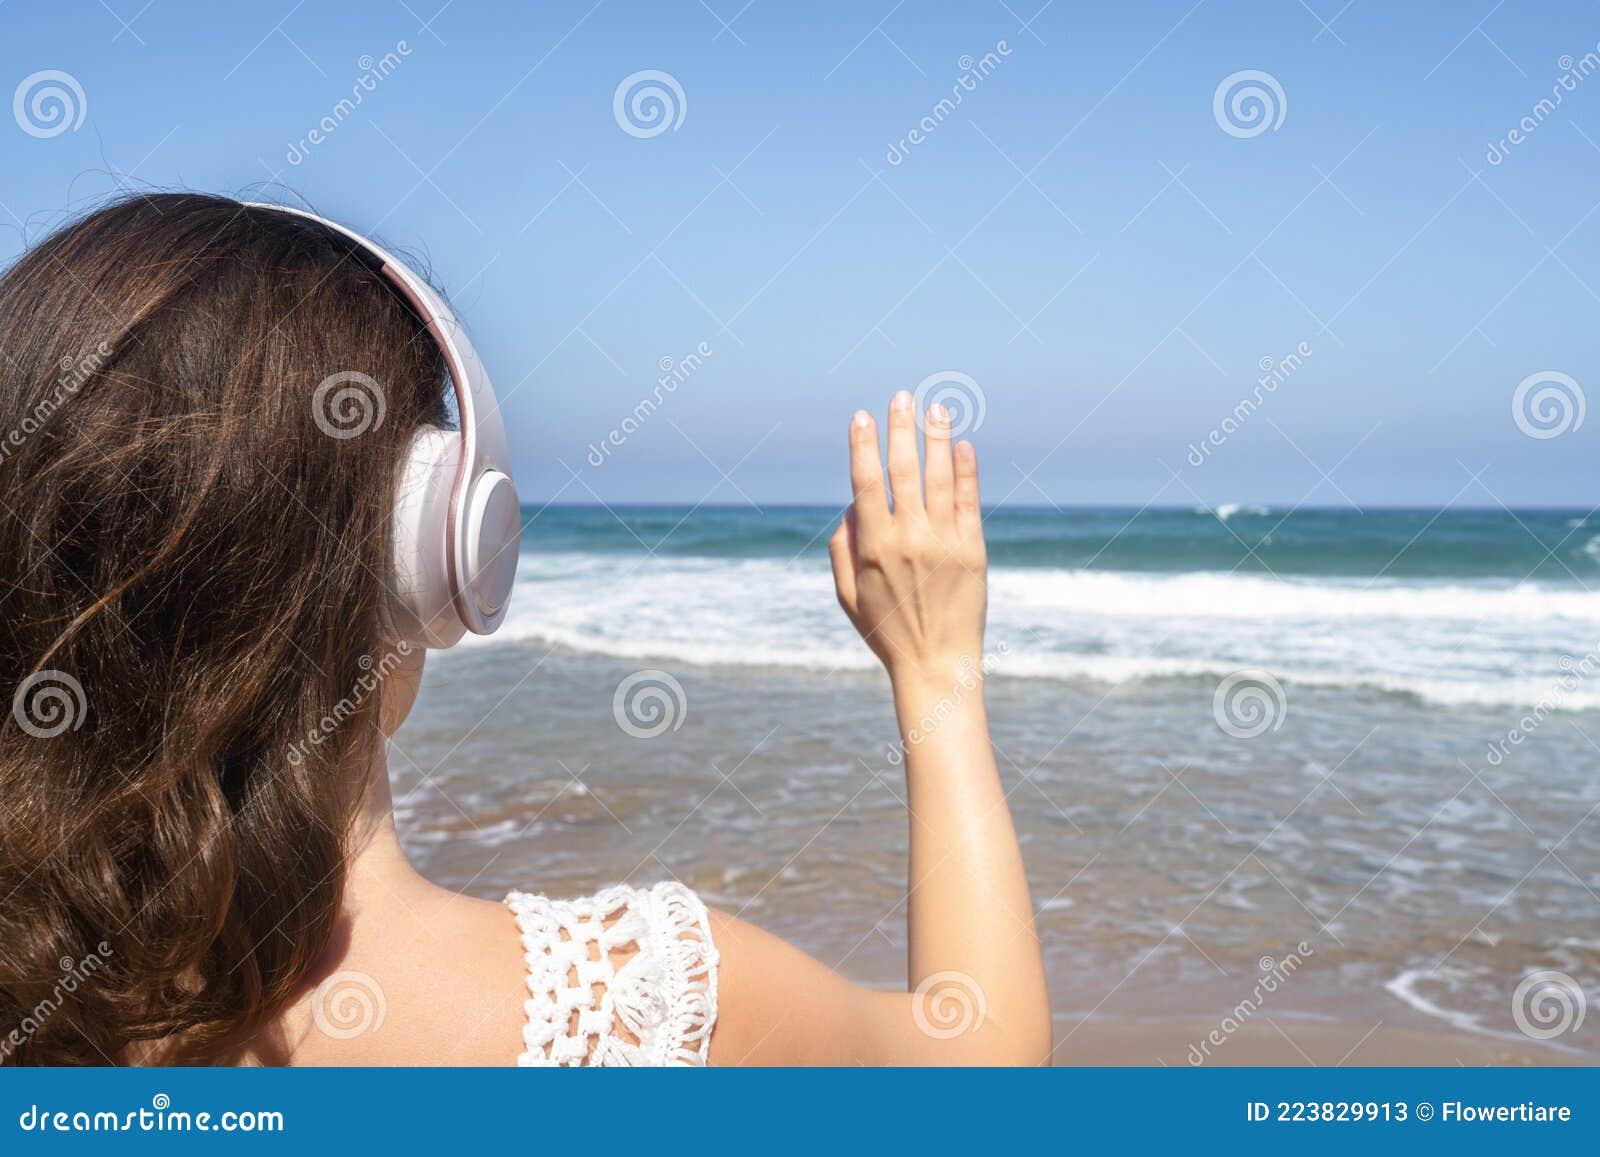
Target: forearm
(969, 910)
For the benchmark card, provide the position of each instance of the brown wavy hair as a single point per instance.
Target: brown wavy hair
(192, 558)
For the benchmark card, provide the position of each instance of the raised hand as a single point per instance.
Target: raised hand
(913, 577)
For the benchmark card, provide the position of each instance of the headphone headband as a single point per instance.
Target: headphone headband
(457, 524)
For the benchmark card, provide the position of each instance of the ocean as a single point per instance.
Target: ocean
(1227, 734)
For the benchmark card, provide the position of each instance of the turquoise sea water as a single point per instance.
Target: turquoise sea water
(1558, 546)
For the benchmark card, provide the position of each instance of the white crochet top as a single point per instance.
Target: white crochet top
(625, 977)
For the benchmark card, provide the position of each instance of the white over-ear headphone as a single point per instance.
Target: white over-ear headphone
(457, 524)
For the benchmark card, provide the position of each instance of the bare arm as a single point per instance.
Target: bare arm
(913, 581)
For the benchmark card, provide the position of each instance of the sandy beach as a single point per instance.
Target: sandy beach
(1108, 1042)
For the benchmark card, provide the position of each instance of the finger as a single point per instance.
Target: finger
(841, 553)
(905, 476)
(967, 513)
(939, 470)
(866, 472)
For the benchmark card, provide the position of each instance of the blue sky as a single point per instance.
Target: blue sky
(1081, 237)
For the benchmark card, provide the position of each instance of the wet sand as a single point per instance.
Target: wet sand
(1107, 1042)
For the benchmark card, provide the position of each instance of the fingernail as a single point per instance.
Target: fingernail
(938, 413)
(861, 420)
(902, 400)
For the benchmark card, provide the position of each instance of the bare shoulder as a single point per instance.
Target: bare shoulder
(432, 977)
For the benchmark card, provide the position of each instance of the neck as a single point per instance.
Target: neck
(377, 865)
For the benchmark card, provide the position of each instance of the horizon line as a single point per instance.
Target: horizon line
(1188, 507)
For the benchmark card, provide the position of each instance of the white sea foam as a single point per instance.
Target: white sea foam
(1450, 643)
(1227, 510)
(1408, 986)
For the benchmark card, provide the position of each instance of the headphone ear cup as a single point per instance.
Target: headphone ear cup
(421, 608)
(492, 539)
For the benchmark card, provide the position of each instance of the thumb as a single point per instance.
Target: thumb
(842, 554)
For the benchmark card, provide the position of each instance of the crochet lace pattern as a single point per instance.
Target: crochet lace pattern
(625, 977)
